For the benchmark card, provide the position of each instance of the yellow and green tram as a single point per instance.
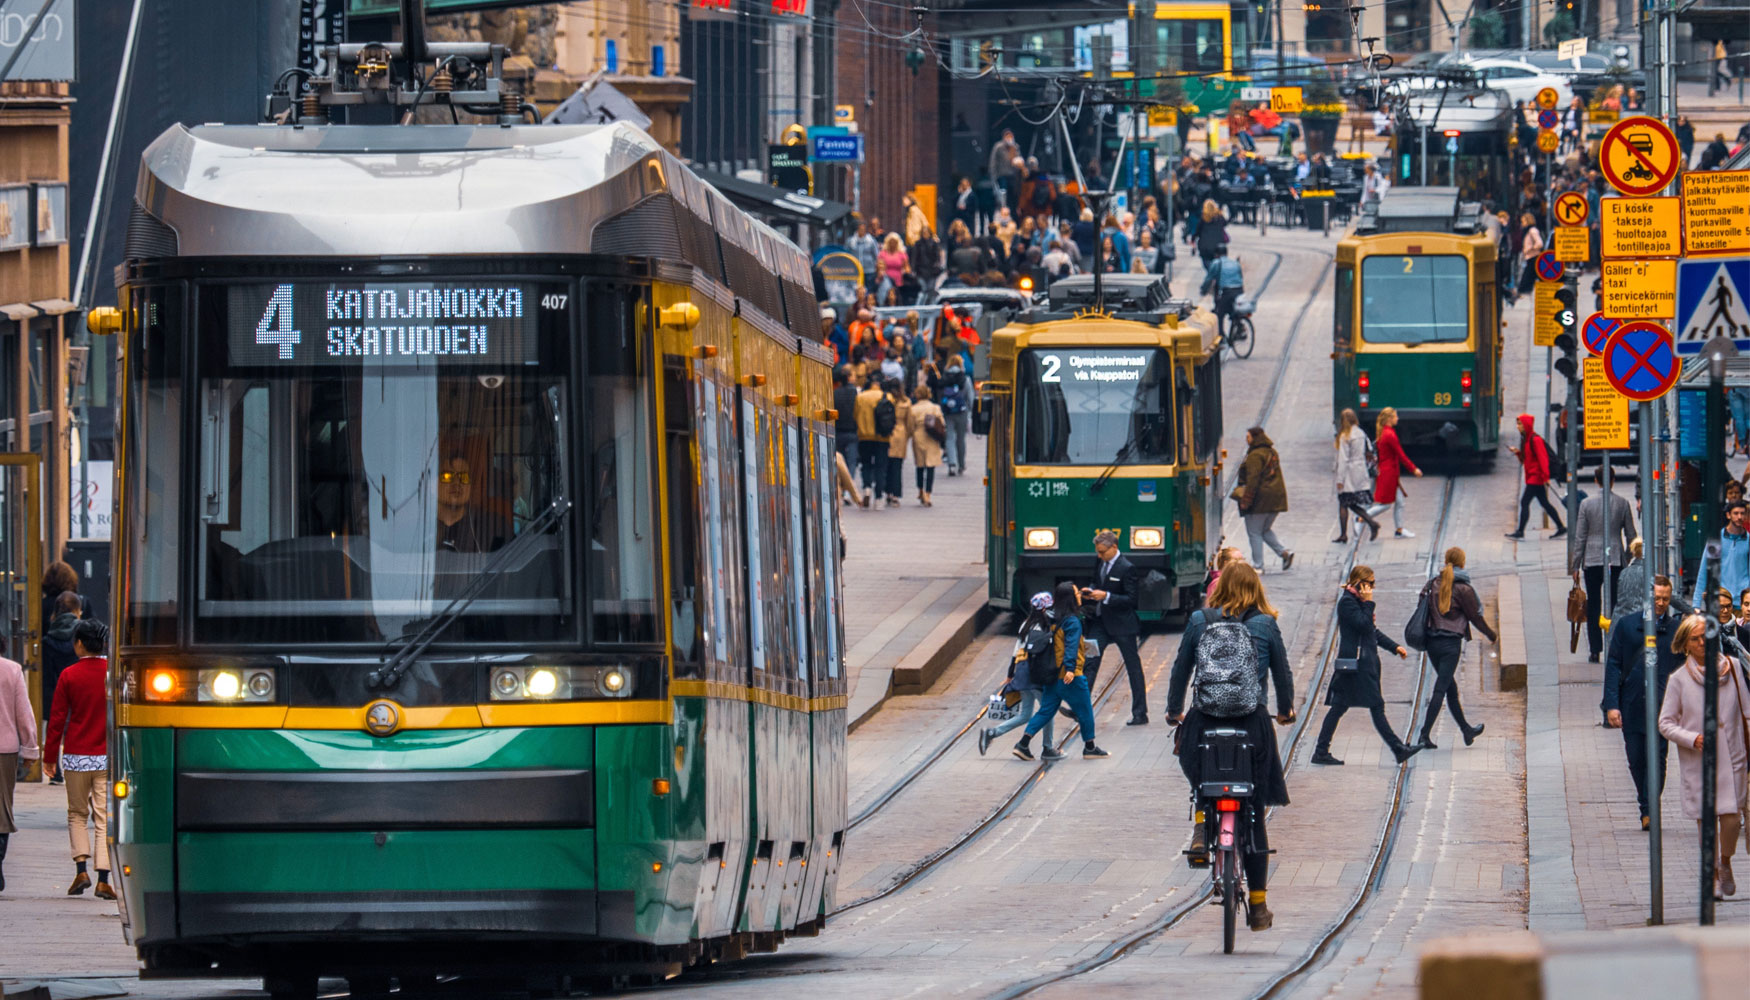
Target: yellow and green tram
(1104, 412)
(1417, 323)
(478, 572)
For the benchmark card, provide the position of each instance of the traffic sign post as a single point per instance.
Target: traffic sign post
(1606, 410)
(1544, 324)
(1638, 289)
(1596, 330)
(1638, 228)
(1639, 156)
(1640, 360)
(1716, 212)
(1547, 98)
(1548, 141)
(1548, 268)
(1548, 119)
(1572, 244)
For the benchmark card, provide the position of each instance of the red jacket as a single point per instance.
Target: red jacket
(79, 714)
(1533, 453)
(1392, 464)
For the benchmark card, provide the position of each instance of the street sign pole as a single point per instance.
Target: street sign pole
(1710, 739)
(1571, 282)
(1649, 673)
(1609, 602)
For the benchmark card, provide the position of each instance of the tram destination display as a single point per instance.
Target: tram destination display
(483, 323)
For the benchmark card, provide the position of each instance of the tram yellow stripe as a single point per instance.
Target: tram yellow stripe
(737, 692)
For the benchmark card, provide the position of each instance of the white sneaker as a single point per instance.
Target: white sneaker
(1405, 533)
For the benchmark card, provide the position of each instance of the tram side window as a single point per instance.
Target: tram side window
(685, 618)
(1343, 323)
(1415, 299)
(154, 460)
(1209, 407)
(719, 516)
(623, 573)
(796, 570)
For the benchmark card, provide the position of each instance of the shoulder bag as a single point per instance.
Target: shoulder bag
(1576, 616)
(1416, 632)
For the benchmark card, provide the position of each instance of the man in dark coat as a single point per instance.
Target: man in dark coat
(1625, 685)
(1112, 621)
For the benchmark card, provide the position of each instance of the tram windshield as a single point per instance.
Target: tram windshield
(1415, 299)
(1094, 406)
(366, 450)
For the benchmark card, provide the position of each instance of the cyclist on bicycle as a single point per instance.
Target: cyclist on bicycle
(1238, 597)
(1228, 282)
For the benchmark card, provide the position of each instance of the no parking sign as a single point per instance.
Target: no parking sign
(1640, 360)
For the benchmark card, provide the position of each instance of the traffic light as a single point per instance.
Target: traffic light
(1567, 339)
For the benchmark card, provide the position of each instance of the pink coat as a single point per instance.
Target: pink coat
(1680, 719)
(17, 721)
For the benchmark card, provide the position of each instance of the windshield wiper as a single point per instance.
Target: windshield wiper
(1117, 460)
(389, 674)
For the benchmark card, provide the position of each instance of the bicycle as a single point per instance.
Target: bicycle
(1240, 338)
(1225, 798)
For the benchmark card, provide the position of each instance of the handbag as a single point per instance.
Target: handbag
(1416, 631)
(1576, 616)
(1348, 664)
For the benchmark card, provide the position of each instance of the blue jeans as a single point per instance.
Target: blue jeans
(1029, 706)
(1080, 703)
(1738, 400)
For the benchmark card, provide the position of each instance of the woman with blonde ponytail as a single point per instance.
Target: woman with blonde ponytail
(1452, 609)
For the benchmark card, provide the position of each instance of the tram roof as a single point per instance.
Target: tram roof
(384, 190)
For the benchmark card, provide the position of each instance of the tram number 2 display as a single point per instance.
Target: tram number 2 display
(392, 323)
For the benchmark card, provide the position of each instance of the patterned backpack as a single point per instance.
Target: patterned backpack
(1226, 670)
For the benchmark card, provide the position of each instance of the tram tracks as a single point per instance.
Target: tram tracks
(1324, 944)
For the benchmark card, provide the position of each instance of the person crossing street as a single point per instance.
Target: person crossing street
(1112, 620)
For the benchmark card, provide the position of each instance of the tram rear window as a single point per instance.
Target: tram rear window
(1091, 406)
(1415, 299)
(369, 452)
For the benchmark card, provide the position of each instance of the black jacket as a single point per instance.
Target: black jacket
(1117, 616)
(1625, 685)
(844, 400)
(1211, 235)
(58, 652)
(1358, 638)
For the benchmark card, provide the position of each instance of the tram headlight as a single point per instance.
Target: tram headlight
(543, 683)
(1148, 538)
(559, 683)
(229, 685)
(615, 682)
(1041, 538)
(506, 684)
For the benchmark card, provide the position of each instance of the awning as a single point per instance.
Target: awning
(774, 204)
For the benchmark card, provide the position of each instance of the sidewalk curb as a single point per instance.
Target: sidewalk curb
(929, 659)
(1554, 890)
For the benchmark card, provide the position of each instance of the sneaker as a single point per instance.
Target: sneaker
(1023, 751)
(1259, 917)
(1138, 720)
(1470, 735)
(1324, 757)
(893, 501)
(1050, 753)
(1559, 532)
(1404, 533)
(103, 891)
(1287, 561)
(1090, 750)
(1516, 536)
(984, 738)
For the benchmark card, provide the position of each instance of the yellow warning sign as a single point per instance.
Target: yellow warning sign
(1547, 98)
(1606, 410)
(1285, 100)
(1640, 227)
(1548, 141)
(1716, 212)
(1160, 114)
(1572, 244)
(1639, 289)
(1544, 322)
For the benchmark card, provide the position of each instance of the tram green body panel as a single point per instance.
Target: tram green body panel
(406, 861)
(144, 823)
(414, 750)
(1425, 388)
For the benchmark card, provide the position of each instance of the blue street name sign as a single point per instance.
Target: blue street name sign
(1710, 302)
(836, 148)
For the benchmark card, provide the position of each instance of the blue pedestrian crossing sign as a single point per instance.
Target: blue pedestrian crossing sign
(1711, 302)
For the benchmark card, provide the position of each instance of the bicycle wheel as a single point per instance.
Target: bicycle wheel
(1230, 903)
(1241, 336)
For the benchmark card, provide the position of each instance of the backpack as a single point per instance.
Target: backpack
(1226, 671)
(936, 429)
(954, 396)
(1558, 463)
(885, 417)
(1040, 653)
(1043, 196)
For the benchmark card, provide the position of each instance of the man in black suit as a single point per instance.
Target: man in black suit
(1625, 688)
(1111, 613)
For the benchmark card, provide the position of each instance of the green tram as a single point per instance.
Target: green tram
(1104, 412)
(478, 601)
(1417, 323)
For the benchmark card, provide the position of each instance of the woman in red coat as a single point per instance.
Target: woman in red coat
(1392, 462)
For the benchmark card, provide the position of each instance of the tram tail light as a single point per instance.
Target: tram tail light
(1464, 382)
(1363, 384)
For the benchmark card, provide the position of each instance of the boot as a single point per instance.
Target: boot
(4, 837)
(1323, 756)
(1403, 752)
(1470, 735)
(81, 882)
(1259, 917)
